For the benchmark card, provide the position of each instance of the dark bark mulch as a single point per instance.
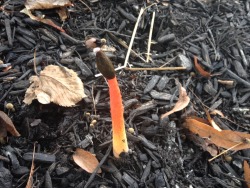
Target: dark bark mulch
(162, 153)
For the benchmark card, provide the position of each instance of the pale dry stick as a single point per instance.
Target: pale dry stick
(168, 61)
(225, 151)
(86, 5)
(35, 63)
(132, 39)
(122, 43)
(130, 44)
(150, 36)
(30, 179)
(157, 68)
(93, 98)
(133, 34)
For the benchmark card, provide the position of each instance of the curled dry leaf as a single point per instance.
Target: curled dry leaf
(7, 124)
(226, 138)
(200, 69)
(63, 14)
(55, 84)
(182, 102)
(32, 168)
(86, 160)
(46, 4)
(247, 173)
(41, 19)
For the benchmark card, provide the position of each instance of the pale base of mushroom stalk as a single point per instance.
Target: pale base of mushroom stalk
(120, 144)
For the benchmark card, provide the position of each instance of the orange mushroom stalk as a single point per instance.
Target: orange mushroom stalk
(105, 66)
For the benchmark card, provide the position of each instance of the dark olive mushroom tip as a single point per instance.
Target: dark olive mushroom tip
(104, 64)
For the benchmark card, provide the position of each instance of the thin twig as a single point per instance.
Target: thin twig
(123, 44)
(169, 61)
(133, 34)
(133, 37)
(150, 36)
(225, 151)
(93, 98)
(157, 68)
(35, 63)
(106, 30)
(86, 5)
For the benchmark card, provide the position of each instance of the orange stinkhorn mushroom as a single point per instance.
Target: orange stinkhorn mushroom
(105, 66)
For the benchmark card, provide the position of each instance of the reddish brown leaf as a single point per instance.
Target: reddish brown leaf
(226, 138)
(247, 173)
(32, 168)
(182, 102)
(86, 160)
(6, 122)
(200, 69)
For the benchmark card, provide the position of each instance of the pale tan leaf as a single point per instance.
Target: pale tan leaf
(182, 102)
(86, 160)
(6, 122)
(62, 12)
(46, 4)
(55, 84)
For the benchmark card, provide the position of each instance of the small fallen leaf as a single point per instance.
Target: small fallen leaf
(41, 19)
(247, 173)
(32, 168)
(59, 85)
(46, 4)
(86, 160)
(182, 102)
(6, 122)
(225, 138)
(200, 69)
(63, 14)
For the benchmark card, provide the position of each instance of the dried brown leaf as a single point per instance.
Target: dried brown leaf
(247, 173)
(46, 4)
(55, 84)
(200, 69)
(226, 138)
(63, 14)
(86, 160)
(32, 168)
(6, 122)
(182, 102)
(41, 19)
